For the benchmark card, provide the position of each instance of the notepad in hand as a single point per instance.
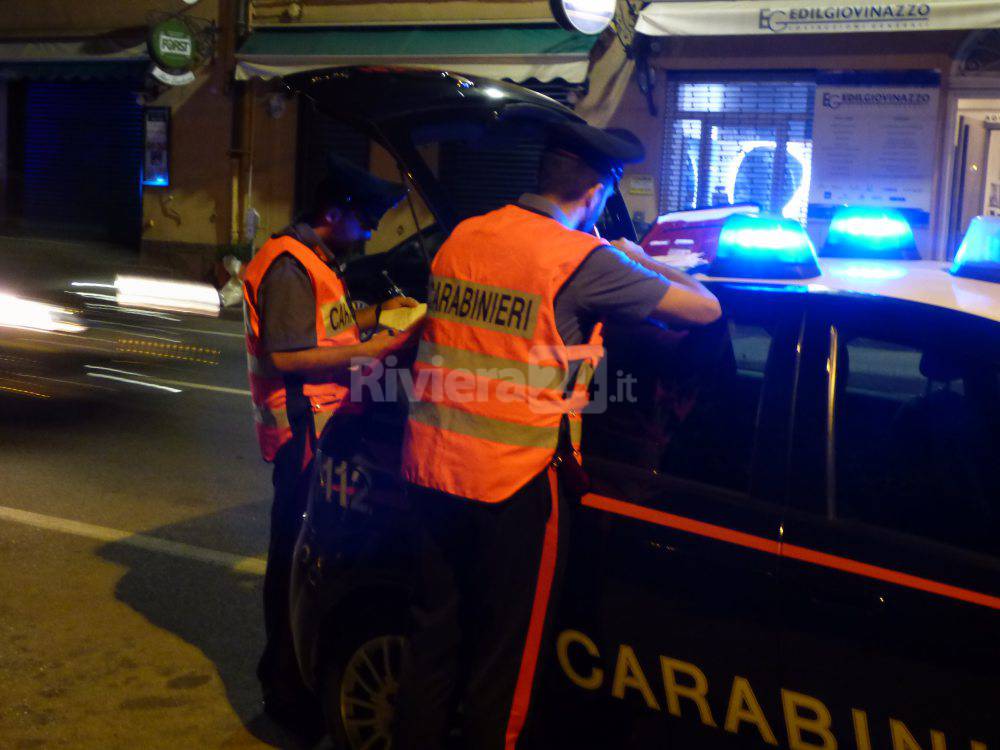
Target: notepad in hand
(402, 318)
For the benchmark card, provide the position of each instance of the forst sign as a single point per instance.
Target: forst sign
(172, 45)
(177, 45)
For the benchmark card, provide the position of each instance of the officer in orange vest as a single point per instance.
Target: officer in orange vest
(302, 332)
(491, 448)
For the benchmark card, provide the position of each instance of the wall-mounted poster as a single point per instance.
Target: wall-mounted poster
(874, 142)
(156, 159)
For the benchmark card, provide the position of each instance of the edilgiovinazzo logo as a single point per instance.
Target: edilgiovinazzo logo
(875, 99)
(885, 15)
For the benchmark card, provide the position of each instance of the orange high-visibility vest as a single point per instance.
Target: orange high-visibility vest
(335, 326)
(491, 377)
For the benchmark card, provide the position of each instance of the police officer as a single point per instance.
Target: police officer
(492, 442)
(302, 333)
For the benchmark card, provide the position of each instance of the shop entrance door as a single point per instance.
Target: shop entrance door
(967, 181)
(991, 174)
(75, 160)
(971, 186)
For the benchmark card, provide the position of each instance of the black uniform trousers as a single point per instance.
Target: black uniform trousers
(278, 669)
(489, 578)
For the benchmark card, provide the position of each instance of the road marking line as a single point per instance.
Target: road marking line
(156, 382)
(113, 369)
(132, 381)
(203, 387)
(227, 560)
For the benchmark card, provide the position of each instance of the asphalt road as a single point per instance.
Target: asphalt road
(133, 531)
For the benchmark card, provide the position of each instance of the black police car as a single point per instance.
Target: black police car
(792, 535)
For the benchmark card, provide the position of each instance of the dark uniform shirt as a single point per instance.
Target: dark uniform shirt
(287, 301)
(287, 304)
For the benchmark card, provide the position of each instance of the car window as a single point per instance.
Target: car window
(916, 439)
(692, 411)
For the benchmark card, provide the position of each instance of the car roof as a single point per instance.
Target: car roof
(925, 282)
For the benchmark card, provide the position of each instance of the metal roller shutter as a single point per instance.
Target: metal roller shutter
(319, 135)
(478, 181)
(738, 140)
(483, 179)
(83, 160)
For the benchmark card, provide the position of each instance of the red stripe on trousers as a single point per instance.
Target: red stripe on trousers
(539, 609)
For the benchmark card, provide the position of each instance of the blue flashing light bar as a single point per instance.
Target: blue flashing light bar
(760, 247)
(979, 255)
(160, 181)
(861, 232)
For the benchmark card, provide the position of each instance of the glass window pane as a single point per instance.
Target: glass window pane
(759, 149)
(691, 412)
(916, 442)
(745, 97)
(682, 160)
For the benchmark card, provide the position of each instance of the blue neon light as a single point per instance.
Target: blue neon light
(979, 255)
(766, 248)
(860, 232)
(160, 181)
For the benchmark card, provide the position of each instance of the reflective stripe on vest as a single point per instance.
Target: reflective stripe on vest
(492, 376)
(335, 326)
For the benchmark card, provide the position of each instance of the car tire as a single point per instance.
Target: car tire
(361, 679)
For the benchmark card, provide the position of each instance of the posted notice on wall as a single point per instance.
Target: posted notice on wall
(874, 142)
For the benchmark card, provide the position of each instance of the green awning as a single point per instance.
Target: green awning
(74, 71)
(70, 61)
(518, 53)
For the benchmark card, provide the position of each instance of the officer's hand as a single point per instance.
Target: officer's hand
(382, 338)
(630, 249)
(394, 302)
(391, 342)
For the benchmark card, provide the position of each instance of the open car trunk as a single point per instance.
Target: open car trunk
(463, 145)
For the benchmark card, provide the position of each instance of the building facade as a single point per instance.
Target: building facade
(805, 107)
(738, 101)
(76, 92)
(517, 41)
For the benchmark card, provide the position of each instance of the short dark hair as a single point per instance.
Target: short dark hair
(566, 177)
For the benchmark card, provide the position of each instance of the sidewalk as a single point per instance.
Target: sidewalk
(61, 253)
(24, 256)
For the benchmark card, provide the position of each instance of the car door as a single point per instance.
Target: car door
(667, 631)
(891, 560)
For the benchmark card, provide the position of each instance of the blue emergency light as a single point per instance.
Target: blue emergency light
(861, 232)
(760, 247)
(979, 255)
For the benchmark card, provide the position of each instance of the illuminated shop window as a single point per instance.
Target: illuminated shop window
(738, 141)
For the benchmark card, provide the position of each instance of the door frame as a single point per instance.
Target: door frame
(959, 88)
